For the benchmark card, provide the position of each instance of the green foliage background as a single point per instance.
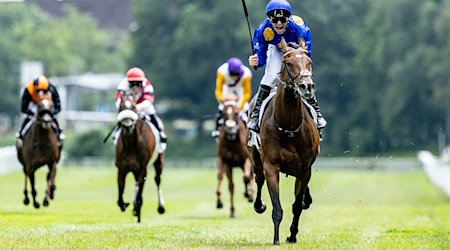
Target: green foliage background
(381, 75)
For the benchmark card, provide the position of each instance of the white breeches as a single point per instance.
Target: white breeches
(273, 66)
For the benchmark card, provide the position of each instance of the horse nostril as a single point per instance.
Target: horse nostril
(303, 86)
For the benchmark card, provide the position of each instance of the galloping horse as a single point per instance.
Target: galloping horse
(40, 147)
(232, 151)
(135, 148)
(289, 138)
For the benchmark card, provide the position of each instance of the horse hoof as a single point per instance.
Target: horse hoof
(161, 210)
(36, 205)
(52, 192)
(232, 215)
(291, 240)
(250, 198)
(305, 205)
(219, 205)
(139, 219)
(26, 201)
(45, 203)
(259, 209)
(123, 206)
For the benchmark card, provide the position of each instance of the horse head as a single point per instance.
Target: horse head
(45, 109)
(231, 117)
(296, 73)
(127, 113)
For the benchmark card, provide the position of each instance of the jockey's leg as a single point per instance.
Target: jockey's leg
(19, 132)
(219, 121)
(269, 80)
(154, 121)
(59, 131)
(263, 93)
(321, 122)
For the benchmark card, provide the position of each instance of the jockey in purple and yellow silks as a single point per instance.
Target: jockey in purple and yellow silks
(278, 24)
(233, 78)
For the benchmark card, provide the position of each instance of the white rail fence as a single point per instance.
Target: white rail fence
(10, 163)
(8, 160)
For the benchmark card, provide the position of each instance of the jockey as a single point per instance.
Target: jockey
(29, 100)
(232, 78)
(278, 24)
(141, 88)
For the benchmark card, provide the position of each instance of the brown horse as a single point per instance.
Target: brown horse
(289, 138)
(40, 147)
(232, 152)
(135, 148)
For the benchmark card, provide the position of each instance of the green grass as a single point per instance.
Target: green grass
(351, 210)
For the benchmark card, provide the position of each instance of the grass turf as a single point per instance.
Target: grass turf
(351, 210)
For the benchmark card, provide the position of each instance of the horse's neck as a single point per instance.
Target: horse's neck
(288, 109)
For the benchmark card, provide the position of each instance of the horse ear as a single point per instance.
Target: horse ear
(282, 44)
(301, 42)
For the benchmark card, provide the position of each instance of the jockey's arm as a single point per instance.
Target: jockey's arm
(56, 99)
(145, 107)
(119, 94)
(220, 79)
(247, 87)
(25, 101)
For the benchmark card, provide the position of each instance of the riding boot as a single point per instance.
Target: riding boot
(321, 122)
(19, 137)
(163, 135)
(215, 133)
(263, 93)
(59, 131)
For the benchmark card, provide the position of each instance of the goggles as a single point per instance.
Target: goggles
(278, 19)
(135, 83)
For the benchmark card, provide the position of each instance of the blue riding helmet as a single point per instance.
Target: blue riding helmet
(235, 66)
(278, 8)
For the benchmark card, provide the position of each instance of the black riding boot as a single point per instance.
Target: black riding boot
(19, 133)
(321, 122)
(154, 121)
(263, 93)
(59, 131)
(215, 133)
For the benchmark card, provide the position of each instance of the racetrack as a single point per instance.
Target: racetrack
(352, 209)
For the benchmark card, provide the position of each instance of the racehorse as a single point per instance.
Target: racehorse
(40, 147)
(289, 138)
(233, 152)
(135, 148)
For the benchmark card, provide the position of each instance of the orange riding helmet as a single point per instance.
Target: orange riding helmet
(135, 74)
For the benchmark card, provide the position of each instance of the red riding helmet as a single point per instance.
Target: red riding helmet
(135, 74)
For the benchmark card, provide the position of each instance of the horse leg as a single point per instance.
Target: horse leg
(229, 172)
(259, 205)
(33, 190)
(307, 199)
(26, 201)
(219, 203)
(139, 187)
(158, 171)
(121, 183)
(296, 210)
(273, 178)
(50, 184)
(248, 180)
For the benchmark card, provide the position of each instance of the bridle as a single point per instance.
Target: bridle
(230, 126)
(303, 88)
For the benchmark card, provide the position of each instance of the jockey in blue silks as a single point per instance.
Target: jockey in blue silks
(278, 24)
